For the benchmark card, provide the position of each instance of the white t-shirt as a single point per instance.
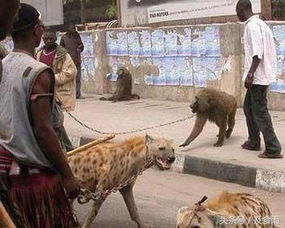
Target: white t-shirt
(258, 41)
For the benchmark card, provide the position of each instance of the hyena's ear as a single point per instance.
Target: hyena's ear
(148, 139)
(183, 217)
(183, 210)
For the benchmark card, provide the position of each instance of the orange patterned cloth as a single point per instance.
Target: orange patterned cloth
(37, 194)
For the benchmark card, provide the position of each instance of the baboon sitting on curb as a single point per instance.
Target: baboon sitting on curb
(216, 106)
(124, 87)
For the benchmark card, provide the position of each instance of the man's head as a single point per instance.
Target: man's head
(244, 10)
(28, 27)
(8, 12)
(71, 28)
(49, 39)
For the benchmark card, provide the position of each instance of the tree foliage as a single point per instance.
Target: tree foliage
(111, 11)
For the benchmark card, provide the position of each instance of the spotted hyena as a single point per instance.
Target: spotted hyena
(108, 165)
(228, 210)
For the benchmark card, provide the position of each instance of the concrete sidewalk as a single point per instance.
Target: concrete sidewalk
(229, 163)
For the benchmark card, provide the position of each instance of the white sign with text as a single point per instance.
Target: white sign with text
(190, 9)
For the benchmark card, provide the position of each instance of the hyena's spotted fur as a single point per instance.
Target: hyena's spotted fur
(228, 210)
(107, 165)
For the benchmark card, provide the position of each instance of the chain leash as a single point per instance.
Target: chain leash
(127, 132)
(86, 195)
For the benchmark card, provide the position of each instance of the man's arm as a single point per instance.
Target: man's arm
(3, 51)
(254, 65)
(45, 134)
(250, 75)
(68, 71)
(5, 219)
(257, 49)
(256, 39)
(80, 43)
(62, 42)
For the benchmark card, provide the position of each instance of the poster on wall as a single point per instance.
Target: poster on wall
(87, 56)
(168, 10)
(278, 34)
(183, 56)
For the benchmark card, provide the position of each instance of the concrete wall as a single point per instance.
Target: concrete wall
(164, 73)
(163, 67)
(174, 63)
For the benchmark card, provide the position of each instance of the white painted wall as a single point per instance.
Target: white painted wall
(51, 10)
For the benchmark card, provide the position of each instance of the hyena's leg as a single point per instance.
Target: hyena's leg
(127, 193)
(93, 213)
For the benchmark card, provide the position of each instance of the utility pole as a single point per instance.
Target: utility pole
(266, 9)
(119, 15)
(82, 11)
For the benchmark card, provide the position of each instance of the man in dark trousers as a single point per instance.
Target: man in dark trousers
(64, 70)
(260, 70)
(40, 179)
(73, 43)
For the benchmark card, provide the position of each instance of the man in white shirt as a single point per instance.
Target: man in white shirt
(259, 71)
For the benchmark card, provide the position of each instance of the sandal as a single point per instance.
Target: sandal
(270, 156)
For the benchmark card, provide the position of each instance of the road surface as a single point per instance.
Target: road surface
(159, 194)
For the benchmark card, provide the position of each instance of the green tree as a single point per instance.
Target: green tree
(111, 10)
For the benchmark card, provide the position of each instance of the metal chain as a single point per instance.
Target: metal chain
(127, 132)
(86, 195)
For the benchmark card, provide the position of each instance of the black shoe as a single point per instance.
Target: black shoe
(249, 146)
(270, 156)
(80, 97)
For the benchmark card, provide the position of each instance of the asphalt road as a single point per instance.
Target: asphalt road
(159, 195)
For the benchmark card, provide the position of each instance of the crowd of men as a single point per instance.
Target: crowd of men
(36, 180)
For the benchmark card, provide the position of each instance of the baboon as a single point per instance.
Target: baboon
(215, 106)
(124, 87)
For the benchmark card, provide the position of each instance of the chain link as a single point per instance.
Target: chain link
(127, 132)
(86, 195)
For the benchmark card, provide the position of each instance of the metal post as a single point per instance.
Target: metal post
(82, 11)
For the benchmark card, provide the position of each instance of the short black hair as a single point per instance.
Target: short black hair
(245, 4)
(28, 17)
(21, 35)
(48, 30)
